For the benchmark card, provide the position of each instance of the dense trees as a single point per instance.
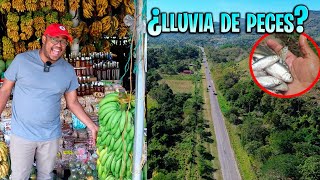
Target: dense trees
(282, 135)
(172, 59)
(176, 128)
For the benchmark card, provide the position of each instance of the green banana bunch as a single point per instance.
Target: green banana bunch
(115, 136)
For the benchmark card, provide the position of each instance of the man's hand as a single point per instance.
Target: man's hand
(303, 69)
(94, 132)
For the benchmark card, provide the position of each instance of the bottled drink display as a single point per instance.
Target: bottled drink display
(91, 69)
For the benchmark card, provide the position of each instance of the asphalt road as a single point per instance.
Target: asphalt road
(227, 160)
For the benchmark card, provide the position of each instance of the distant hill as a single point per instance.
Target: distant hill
(312, 28)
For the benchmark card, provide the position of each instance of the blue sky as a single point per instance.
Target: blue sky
(217, 6)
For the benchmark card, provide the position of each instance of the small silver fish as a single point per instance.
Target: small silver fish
(259, 73)
(264, 62)
(274, 91)
(279, 71)
(268, 81)
(281, 87)
(283, 55)
(257, 56)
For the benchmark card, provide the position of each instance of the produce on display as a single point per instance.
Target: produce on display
(115, 136)
(271, 71)
(8, 48)
(4, 160)
(99, 28)
(97, 19)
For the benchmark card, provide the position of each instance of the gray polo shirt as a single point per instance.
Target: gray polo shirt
(37, 95)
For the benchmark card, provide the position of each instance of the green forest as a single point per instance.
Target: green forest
(176, 128)
(282, 136)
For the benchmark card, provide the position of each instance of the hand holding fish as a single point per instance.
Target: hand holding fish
(303, 69)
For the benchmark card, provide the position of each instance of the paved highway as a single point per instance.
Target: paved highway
(227, 160)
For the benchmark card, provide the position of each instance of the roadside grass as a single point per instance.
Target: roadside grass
(243, 159)
(177, 77)
(179, 86)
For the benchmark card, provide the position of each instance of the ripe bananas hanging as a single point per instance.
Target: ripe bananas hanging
(18, 5)
(40, 26)
(4, 164)
(31, 5)
(45, 3)
(122, 32)
(12, 26)
(8, 51)
(59, 5)
(115, 3)
(34, 45)
(26, 26)
(20, 47)
(78, 31)
(5, 6)
(106, 23)
(88, 49)
(101, 7)
(74, 4)
(87, 7)
(129, 7)
(95, 29)
(106, 46)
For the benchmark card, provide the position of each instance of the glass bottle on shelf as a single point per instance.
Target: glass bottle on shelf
(87, 89)
(92, 88)
(78, 62)
(83, 62)
(104, 71)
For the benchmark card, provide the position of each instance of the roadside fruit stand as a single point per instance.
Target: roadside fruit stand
(100, 53)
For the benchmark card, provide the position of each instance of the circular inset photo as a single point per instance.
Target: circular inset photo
(285, 65)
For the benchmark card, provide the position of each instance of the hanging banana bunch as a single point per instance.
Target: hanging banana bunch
(45, 3)
(51, 17)
(106, 46)
(8, 51)
(34, 45)
(59, 5)
(74, 4)
(122, 32)
(20, 47)
(12, 26)
(40, 26)
(129, 7)
(5, 6)
(101, 7)
(115, 3)
(106, 23)
(18, 5)
(88, 49)
(87, 7)
(95, 29)
(4, 162)
(66, 20)
(78, 31)
(114, 26)
(26, 28)
(31, 5)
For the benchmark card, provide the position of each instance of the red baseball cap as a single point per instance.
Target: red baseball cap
(56, 29)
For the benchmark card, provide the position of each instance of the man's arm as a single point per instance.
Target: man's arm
(5, 92)
(75, 107)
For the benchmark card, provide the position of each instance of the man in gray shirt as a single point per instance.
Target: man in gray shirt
(40, 78)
